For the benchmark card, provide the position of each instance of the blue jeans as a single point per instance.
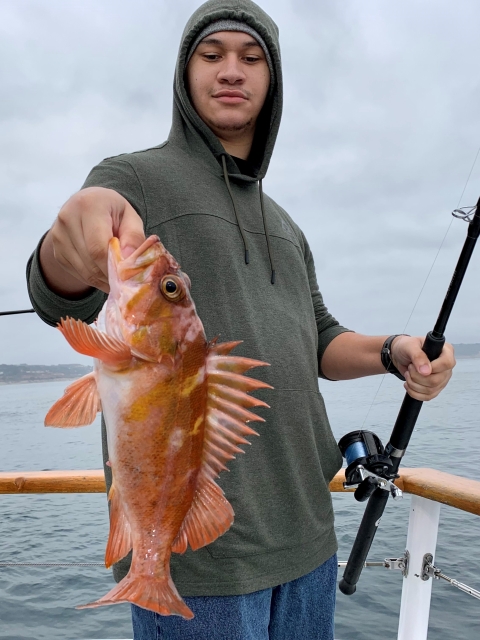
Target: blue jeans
(298, 610)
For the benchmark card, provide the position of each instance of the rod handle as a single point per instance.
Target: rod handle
(410, 409)
(346, 588)
(433, 345)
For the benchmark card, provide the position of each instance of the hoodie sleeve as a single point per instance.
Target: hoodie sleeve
(328, 327)
(113, 173)
(119, 174)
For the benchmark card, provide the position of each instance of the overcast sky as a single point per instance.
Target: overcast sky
(379, 133)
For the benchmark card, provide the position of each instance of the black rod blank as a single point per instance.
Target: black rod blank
(406, 419)
(14, 313)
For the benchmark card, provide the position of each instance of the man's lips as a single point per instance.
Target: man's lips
(230, 97)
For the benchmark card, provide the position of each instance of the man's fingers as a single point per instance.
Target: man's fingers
(76, 268)
(425, 388)
(68, 256)
(446, 360)
(82, 232)
(92, 242)
(130, 231)
(421, 363)
(81, 242)
(424, 379)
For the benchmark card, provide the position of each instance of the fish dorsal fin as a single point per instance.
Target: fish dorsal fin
(225, 429)
(91, 342)
(120, 537)
(223, 348)
(78, 406)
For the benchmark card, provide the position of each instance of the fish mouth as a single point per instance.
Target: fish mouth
(138, 262)
(139, 254)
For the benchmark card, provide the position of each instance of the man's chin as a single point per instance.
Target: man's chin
(231, 125)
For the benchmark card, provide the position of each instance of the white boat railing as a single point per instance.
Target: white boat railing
(429, 488)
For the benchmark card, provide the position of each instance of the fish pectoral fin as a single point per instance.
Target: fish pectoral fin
(91, 342)
(78, 406)
(207, 519)
(120, 537)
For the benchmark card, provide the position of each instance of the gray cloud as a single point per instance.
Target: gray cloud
(379, 133)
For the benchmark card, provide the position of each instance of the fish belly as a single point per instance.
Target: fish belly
(155, 442)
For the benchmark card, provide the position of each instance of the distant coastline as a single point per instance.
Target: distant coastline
(467, 350)
(27, 373)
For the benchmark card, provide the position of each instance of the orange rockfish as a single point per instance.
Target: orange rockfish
(175, 407)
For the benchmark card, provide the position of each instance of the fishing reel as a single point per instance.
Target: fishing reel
(369, 467)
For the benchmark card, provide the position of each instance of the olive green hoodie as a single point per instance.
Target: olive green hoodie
(279, 489)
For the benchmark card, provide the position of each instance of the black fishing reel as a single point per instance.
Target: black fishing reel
(369, 466)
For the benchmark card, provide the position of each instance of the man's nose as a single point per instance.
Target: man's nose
(231, 70)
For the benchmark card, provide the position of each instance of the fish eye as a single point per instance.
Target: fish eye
(172, 288)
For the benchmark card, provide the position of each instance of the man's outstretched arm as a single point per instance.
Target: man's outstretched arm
(352, 355)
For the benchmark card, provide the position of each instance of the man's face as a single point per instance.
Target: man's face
(228, 80)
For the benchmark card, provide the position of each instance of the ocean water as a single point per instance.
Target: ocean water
(39, 603)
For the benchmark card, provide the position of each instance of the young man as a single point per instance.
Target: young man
(272, 575)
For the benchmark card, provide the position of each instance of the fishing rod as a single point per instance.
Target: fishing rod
(14, 313)
(372, 468)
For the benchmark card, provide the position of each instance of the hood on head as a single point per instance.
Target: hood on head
(188, 130)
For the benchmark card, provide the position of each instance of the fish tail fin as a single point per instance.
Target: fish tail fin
(156, 594)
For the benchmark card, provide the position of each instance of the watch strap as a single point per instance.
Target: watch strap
(386, 356)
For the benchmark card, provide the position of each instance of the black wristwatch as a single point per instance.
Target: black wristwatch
(386, 356)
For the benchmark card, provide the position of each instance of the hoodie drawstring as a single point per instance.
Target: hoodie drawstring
(227, 182)
(269, 249)
(242, 231)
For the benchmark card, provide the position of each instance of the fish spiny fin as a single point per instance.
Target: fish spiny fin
(78, 406)
(236, 410)
(120, 538)
(223, 348)
(227, 414)
(233, 364)
(91, 342)
(226, 427)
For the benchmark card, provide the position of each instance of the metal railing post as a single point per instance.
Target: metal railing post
(416, 592)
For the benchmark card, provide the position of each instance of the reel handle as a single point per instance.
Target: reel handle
(365, 489)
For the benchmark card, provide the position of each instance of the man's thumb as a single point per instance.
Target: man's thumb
(422, 364)
(130, 232)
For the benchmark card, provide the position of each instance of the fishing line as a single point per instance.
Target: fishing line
(425, 282)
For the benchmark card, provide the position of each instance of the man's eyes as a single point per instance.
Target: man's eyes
(216, 56)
